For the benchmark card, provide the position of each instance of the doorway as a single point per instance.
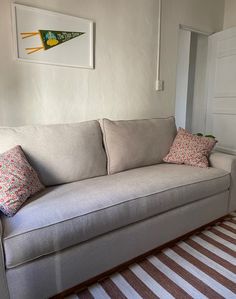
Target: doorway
(191, 103)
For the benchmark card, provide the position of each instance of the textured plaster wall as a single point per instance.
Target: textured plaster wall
(122, 85)
(230, 14)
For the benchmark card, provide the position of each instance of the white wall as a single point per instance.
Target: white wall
(230, 14)
(122, 84)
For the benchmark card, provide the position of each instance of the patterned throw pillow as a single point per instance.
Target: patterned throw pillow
(190, 149)
(18, 180)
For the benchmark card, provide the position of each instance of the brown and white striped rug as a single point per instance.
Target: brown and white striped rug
(203, 266)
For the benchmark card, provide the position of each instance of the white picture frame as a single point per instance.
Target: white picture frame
(42, 36)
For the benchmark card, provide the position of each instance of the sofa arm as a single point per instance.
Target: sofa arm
(4, 293)
(228, 163)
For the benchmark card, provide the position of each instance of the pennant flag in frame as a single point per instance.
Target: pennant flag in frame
(50, 38)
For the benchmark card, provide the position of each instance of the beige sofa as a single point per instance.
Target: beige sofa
(87, 221)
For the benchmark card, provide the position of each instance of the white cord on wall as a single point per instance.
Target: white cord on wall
(159, 82)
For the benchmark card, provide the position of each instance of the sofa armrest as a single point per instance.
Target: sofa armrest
(228, 163)
(4, 293)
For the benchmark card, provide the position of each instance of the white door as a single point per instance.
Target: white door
(221, 90)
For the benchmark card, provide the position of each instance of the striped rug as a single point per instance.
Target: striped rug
(203, 266)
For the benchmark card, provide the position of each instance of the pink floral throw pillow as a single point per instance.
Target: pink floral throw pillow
(18, 180)
(190, 149)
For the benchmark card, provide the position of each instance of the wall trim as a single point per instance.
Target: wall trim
(194, 30)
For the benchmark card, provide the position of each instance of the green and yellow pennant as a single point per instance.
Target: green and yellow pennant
(50, 38)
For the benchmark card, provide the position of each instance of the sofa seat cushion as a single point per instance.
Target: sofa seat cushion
(68, 214)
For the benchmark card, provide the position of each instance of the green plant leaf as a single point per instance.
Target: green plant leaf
(210, 136)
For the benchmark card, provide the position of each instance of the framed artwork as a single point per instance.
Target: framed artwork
(43, 36)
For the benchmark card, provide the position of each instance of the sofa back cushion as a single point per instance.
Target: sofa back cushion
(135, 143)
(59, 153)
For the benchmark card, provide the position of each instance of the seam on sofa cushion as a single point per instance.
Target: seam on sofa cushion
(106, 147)
(133, 223)
(117, 204)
